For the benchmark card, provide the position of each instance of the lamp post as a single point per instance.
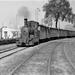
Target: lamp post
(36, 14)
(17, 25)
(16, 21)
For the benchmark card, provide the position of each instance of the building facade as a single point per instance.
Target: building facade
(7, 33)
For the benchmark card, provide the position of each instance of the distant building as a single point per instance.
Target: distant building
(9, 33)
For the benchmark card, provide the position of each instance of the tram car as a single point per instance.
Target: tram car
(32, 33)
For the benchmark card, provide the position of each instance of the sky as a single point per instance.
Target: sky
(10, 11)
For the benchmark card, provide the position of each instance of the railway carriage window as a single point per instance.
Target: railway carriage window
(42, 29)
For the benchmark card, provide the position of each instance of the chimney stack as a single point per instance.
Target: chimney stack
(25, 22)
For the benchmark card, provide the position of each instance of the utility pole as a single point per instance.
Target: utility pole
(16, 21)
(17, 25)
(36, 14)
(59, 24)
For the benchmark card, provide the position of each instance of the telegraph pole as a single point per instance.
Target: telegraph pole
(16, 26)
(36, 14)
(16, 21)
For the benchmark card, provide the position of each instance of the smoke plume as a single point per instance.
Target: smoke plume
(23, 11)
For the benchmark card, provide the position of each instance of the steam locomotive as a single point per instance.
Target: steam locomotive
(32, 33)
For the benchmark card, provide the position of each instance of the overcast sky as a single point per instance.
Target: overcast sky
(9, 9)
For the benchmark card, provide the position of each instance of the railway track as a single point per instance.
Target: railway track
(32, 57)
(60, 63)
(50, 56)
(70, 54)
(46, 62)
(7, 49)
(10, 51)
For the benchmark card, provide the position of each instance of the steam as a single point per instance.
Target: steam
(24, 12)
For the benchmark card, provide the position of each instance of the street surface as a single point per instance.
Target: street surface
(56, 58)
(6, 46)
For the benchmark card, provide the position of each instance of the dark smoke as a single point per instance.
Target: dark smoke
(23, 11)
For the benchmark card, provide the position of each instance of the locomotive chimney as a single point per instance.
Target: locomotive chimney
(25, 22)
